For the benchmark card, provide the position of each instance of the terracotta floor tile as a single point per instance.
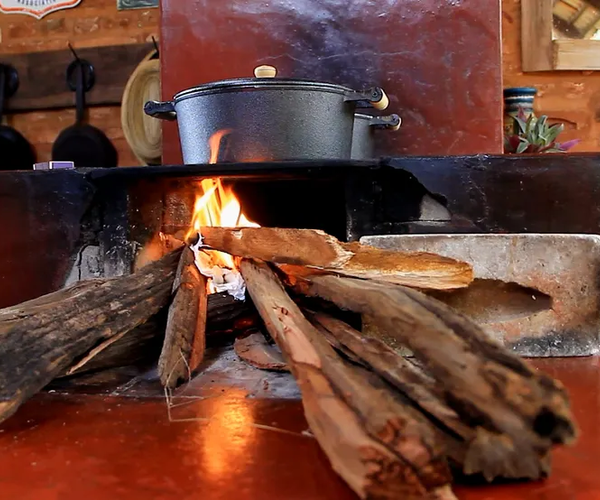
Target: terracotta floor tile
(72, 446)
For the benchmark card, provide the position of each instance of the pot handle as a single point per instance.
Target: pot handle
(161, 110)
(391, 122)
(374, 96)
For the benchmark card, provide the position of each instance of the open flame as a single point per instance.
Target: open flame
(216, 205)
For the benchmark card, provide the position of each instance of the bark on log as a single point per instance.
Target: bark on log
(484, 383)
(474, 449)
(224, 315)
(307, 247)
(224, 312)
(185, 334)
(143, 343)
(42, 337)
(377, 442)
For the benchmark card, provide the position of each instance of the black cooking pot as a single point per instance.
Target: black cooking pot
(266, 118)
(363, 144)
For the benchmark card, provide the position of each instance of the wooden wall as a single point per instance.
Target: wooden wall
(91, 23)
(572, 97)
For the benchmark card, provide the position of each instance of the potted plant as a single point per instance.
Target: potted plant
(535, 135)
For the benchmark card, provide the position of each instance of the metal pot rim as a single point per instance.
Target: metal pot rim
(240, 84)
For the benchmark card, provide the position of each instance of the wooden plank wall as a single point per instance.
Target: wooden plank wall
(572, 97)
(91, 23)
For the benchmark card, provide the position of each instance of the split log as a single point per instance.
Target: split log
(256, 351)
(224, 315)
(474, 450)
(185, 334)
(485, 384)
(377, 442)
(316, 249)
(42, 337)
(143, 343)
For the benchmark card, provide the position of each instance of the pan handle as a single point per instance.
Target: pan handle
(390, 122)
(375, 96)
(161, 110)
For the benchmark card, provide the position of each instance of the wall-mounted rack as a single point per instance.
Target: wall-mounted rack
(42, 76)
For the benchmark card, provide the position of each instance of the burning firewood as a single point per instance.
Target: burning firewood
(316, 249)
(42, 337)
(185, 335)
(486, 385)
(377, 442)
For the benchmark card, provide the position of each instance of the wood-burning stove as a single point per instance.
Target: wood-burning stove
(65, 225)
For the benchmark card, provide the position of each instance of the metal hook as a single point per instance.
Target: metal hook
(87, 72)
(73, 51)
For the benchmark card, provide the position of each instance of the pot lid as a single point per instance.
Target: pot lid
(264, 78)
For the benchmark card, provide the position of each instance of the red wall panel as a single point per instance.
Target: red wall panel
(439, 60)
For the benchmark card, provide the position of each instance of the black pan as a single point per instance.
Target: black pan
(16, 152)
(82, 143)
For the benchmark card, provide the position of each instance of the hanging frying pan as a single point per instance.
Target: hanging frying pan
(82, 143)
(16, 152)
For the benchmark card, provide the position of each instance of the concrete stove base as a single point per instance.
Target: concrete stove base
(536, 293)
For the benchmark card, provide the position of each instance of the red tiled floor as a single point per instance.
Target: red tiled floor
(66, 447)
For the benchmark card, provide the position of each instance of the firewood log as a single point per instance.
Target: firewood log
(256, 351)
(316, 249)
(185, 335)
(42, 337)
(485, 384)
(143, 343)
(377, 442)
(129, 348)
(474, 450)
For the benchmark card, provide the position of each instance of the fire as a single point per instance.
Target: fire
(216, 205)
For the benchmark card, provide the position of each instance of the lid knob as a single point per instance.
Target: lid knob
(265, 71)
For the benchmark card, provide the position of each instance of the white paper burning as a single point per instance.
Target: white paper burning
(220, 279)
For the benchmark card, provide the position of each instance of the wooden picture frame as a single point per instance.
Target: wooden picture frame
(136, 4)
(541, 52)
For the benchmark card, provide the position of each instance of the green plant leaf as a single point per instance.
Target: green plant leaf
(540, 131)
(522, 147)
(554, 131)
(530, 124)
(522, 124)
(541, 123)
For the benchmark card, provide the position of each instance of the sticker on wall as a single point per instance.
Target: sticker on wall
(136, 4)
(35, 8)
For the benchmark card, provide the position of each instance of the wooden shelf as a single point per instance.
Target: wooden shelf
(42, 76)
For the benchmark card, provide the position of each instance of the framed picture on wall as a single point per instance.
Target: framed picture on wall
(136, 4)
